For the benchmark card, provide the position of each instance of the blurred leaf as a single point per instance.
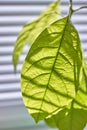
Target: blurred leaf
(73, 117)
(32, 30)
(52, 69)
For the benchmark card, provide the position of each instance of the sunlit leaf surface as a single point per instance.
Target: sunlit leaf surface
(31, 30)
(51, 72)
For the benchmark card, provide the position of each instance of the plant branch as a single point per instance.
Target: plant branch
(71, 3)
(70, 8)
(83, 7)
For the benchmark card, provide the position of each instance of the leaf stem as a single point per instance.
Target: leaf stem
(70, 8)
(83, 7)
(71, 3)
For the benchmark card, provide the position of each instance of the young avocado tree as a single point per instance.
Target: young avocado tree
(54, 73)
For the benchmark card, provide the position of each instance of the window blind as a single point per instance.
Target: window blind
(13, 15)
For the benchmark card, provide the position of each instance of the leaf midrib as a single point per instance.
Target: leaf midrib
(53, 67)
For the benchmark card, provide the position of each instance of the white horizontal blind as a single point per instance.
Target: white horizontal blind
(13, 15)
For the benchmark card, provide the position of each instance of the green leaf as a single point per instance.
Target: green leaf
(70, 119)
(73, 117)
(52, 69)
(32, 30)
